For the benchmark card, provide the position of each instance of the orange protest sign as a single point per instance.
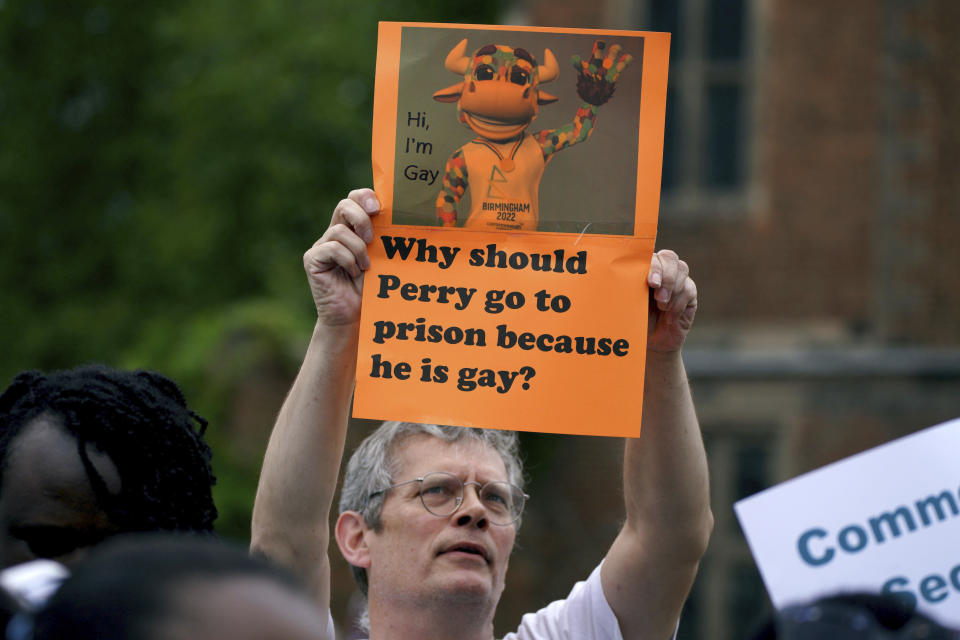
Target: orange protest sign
(507, 287)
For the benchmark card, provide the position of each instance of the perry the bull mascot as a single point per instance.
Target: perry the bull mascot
(499, 97)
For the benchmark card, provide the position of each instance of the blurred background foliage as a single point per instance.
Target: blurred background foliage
(163, 166)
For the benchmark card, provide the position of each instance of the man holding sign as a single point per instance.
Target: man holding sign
(429, 514)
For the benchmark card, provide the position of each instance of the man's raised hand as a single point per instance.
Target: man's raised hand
(336, 262)
(673, 302)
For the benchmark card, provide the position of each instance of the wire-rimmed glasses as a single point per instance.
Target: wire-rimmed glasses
(441, 494)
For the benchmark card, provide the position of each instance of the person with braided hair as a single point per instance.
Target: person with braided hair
(93, 451)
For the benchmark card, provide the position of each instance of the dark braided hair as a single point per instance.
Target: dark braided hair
(141, 421)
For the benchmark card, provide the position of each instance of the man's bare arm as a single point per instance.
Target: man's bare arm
(297, 484)
(650, 568)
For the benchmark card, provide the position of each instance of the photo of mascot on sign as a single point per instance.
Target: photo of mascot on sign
(474, 154)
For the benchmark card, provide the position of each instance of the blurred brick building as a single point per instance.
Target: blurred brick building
(810, 179)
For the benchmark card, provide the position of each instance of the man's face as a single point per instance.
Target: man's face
(460, 558)
(48, 508)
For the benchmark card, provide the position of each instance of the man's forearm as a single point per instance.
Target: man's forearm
(302, 462)
(666, 482)
(650, 568)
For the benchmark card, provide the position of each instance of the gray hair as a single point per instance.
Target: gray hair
(371, 467)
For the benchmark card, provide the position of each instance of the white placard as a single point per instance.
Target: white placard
(887, 519)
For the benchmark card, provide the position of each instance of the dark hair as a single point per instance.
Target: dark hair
(141, 421)
(853, 616)
(126, 588)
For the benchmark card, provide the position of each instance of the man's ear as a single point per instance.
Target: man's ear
(351, 532)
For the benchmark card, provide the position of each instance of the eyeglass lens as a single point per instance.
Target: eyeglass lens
(442, 493)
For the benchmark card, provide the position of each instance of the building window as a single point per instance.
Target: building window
(706, 157)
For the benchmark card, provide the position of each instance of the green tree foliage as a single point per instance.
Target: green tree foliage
(163, 166)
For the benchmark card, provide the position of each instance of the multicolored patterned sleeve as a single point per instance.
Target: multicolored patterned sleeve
(553, 140)
(453, 186)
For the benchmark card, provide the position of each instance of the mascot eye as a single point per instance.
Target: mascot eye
(484, 72)
(519, 76)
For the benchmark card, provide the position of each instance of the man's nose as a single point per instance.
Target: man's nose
(472, 511)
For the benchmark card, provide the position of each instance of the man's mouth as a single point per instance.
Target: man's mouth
(469, 548)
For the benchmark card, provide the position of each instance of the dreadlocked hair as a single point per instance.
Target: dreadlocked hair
(141, 421)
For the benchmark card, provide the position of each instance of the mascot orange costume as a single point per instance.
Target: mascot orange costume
(498, 98)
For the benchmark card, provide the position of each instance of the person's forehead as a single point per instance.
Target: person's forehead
(422, 453)
(44, 469)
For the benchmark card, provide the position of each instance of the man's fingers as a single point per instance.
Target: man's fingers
(367, 199)
(655, 274)
(355, 210)
(684, 300)
(675, 298)
(344, 243)
(345, 236)
(326, 255)
(672, 295)
(350, 214)
(671, 272)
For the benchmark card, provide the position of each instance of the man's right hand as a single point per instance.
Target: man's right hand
(336, 262)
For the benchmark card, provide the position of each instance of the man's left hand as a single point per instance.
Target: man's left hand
(673, 302)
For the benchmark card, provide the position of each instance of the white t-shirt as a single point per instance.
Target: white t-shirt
(585, 614)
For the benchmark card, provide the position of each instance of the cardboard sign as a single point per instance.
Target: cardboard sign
(885, 520)
(508, 279)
